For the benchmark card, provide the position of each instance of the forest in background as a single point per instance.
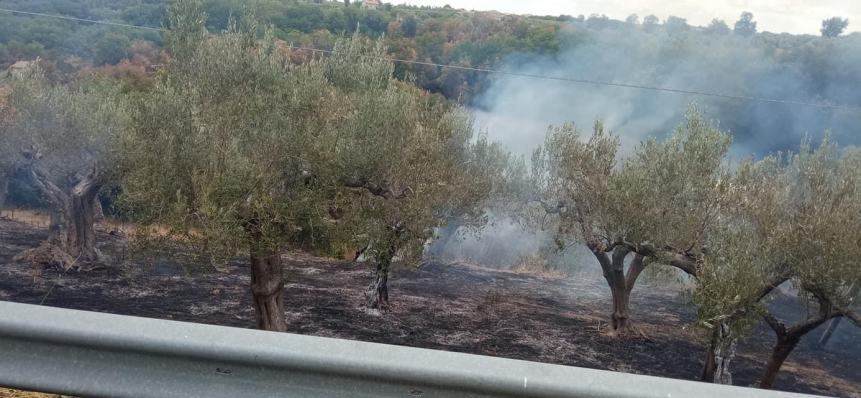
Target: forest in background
(726, 57)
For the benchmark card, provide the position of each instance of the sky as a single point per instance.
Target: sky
(792, 16)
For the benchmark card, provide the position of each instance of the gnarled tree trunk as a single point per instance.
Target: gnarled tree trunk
(620, 283)
(720, 353)
(785, 345)
(378, 292)
(73, 216)
(788, 338)
(82, 213)
(722, 346)
(267, 285)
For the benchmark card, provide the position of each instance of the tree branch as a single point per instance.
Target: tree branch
(586, 229)
(551, 209)
(51, 191)
(637, 266)
(603, 260)
(774, 323)
(684, 262)
(382, 190)
(769, 287)
(812, 323)
(826, 312)
(89, 186)
(853, 316)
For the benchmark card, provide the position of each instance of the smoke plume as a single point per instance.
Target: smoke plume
(517, 111)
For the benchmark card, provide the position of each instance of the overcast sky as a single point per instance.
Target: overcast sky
(794, 16)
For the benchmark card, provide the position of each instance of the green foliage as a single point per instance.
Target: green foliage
(235, 139)
(741, 257)
(226, 140)
(410, 26)
(787, 217)
(359, 66)
(718, 27)
(834, 26)
(745, 26)
(449, 36)
(675, 25)
(669, 191)
(408, 162)
(650, 22)
(68, 130)
(111, 49)
(664, 195)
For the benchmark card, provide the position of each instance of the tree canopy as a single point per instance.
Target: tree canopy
(656, 205)
(65, 138)
(834, 26)
(745, 26)
(785, 220)
(236, 147)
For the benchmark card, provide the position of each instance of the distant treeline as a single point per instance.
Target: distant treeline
(439, 35)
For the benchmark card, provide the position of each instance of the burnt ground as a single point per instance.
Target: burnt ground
(452, 307)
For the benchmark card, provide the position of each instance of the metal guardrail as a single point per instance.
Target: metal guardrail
(100, 355)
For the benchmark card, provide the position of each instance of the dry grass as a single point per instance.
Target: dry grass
(29, 217)
(10, 393)
(537, 265)
(42, 219)
(46, 255)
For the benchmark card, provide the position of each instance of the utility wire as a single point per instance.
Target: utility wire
(39, 14)
(600, 83)
(507, 73)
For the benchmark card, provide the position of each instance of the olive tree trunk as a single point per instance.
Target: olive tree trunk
(378, 292)
(4, 187)
(83, 212)
(722, 345)
(779, 354)
(267, 286)
(720, 353)
(620, 283)
(788, 338)
(73, 216)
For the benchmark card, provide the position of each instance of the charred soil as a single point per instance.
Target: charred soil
(454, 307)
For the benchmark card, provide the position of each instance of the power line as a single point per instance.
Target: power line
(601, 83)
(39, 14)
(506, 73)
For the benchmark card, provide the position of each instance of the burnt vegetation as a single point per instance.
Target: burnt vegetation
(240, 183)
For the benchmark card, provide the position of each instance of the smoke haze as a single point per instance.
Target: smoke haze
(517, 111)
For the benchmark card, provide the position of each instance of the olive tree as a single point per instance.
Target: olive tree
(225, 148)
(64, 137)
(788, 221)
(10, 148)
(406, 161)
(654, 207)
(821, 234)
(739, 268)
